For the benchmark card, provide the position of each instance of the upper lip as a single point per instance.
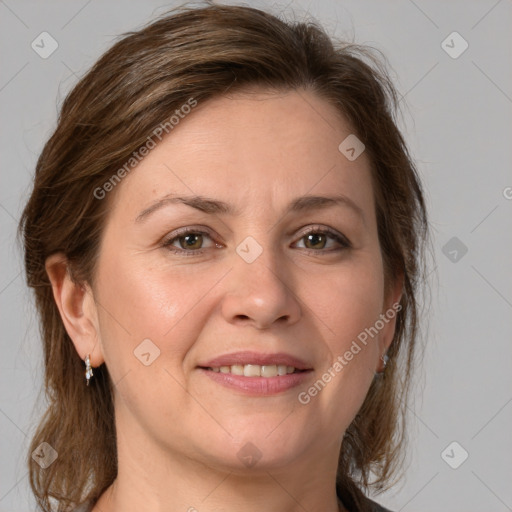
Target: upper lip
(248, 357)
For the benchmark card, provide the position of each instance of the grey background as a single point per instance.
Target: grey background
(457, 122)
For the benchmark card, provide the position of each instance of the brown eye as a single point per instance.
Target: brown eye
(191, 241)
(321, 240)
(315, 241)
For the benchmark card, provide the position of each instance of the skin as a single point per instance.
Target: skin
(178, 431)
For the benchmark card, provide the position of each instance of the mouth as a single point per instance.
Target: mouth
(257, 374)
(256, 370)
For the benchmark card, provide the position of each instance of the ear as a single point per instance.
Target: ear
(77, 309)
(391, 310)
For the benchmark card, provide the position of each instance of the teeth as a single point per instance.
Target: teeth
(252, 370)
(237, 369)
(269, 371)
(255, 370)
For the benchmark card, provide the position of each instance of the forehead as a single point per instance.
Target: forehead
(255, 148)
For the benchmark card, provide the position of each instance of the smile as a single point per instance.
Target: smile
(256, 370)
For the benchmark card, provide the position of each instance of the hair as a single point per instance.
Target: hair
(202, 53)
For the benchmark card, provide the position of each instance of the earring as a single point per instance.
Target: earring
(88, 369)
(385, 359)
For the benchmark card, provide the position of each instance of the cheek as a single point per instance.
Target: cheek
(352, 304)
(138, 301)
(353, 299)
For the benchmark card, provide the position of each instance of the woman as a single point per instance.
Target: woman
(225, 234)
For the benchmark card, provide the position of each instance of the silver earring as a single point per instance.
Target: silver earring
(385, 359)
(88, 369)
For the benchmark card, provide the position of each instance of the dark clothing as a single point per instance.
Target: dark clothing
(377, 507)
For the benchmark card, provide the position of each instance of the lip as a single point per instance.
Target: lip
(248, 357)
(258, 386)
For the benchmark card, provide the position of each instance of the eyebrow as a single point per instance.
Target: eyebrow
(214, 207)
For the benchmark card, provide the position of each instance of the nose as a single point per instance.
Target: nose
(261, 293)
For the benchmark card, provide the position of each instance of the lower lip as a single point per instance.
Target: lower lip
(260, 386)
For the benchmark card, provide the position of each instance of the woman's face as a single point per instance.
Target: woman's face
(248, 274)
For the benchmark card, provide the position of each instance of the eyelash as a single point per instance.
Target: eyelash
(167, 243)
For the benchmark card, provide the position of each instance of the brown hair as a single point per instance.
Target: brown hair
(202, 53)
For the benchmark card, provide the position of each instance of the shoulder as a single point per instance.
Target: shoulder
(357, 501)
(375, 507)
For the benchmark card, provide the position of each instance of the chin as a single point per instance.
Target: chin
(260, 447)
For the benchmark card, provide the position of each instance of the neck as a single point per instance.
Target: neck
(152, 478)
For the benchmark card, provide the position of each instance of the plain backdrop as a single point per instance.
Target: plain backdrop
(457, 122)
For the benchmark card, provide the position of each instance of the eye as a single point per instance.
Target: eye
(316, 240)
(187, 241)
(190, 242)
